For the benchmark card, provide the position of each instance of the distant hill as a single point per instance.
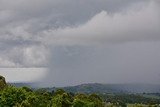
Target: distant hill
(104, 88)
(114, 88)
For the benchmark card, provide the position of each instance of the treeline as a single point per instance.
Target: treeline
(124, 98)
(11, 96)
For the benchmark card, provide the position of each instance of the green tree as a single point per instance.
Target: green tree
(96, 99)
(12, 95)
(27, 89)
(2, 83)
(61, 99)
(83, 100)
(43, 96)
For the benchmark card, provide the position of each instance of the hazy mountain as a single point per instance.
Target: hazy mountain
(104, 88)
(114, 88)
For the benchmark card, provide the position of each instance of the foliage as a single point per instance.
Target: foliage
(25, 97)
(137, 100)
(61, 99)
(11, 96)
(2, 82)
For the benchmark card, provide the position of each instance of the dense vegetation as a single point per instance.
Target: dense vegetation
(78, 96)
(123, 99)
(2, 82)
(11, 96)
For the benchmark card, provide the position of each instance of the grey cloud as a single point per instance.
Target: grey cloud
(25, 56)
(47, 13)
(22, 22)
(133, 25)
(132, 62)
(82, 40)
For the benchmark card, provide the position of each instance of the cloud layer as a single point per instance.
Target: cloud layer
(35, 24)
(99, 40)
(137, 24)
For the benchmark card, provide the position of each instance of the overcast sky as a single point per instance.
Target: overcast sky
(81, 41)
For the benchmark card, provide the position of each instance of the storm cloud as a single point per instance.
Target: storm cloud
(136, 24)
(23, 25)
(82, 41)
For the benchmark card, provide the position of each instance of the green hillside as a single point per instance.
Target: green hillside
(115, 88)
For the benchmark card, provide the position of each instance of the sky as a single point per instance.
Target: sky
(72, 42)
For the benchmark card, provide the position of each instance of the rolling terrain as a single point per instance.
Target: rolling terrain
(104, 88)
